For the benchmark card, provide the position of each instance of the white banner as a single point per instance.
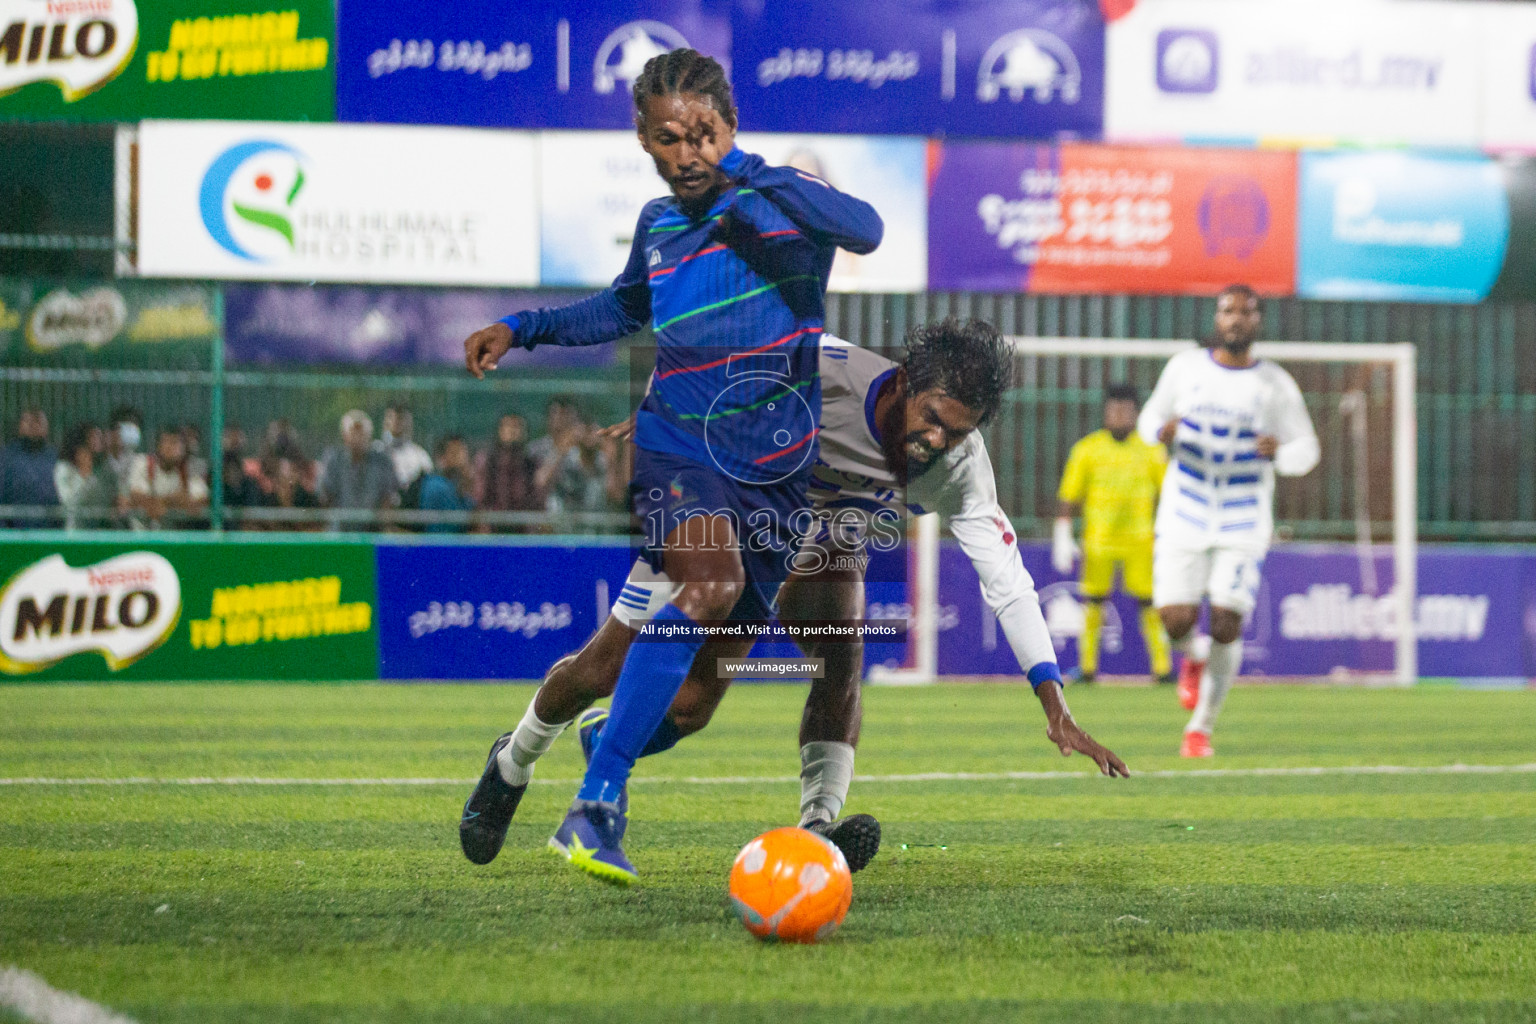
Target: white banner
(1321, 71)
(593, 185)
(334, 202)
(1509, 76)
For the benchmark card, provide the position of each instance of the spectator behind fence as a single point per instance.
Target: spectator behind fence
(242, 488)
(125, 432)
(506, 470)
(288, 491)
(410, 459)
(26, 470)
(584, 476)
(192, 438)
(450, 487)
(357, 474)
(163, 490)
(86, 493)
(561, 418)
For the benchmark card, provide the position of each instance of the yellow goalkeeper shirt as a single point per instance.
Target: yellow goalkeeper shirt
(1116, 483)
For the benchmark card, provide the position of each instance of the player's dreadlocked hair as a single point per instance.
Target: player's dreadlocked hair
(685, 70)
(970, 362)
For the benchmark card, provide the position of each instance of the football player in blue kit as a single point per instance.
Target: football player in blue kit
(730, 271)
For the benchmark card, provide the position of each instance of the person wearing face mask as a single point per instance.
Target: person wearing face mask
(26, 472)
(125, 432)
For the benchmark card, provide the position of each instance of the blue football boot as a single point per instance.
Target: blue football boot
(489, 810)
(589, 726)
(589, 838)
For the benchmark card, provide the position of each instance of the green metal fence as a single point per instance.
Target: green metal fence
(1476, 400)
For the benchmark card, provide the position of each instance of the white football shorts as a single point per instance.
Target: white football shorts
(1228, 576)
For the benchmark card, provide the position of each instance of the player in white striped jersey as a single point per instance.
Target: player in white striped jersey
(894, 438)
(1231, 422)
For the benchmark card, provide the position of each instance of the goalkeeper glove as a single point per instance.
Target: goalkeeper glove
(1064, 550)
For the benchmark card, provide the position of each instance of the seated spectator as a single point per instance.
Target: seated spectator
(26, 470)
(288, 491)
(561, 417)
(356, 474)
(410, 459)
(242, 488)
(87, 496)
(125, 432)
(192, 438)
(450, 487)
(506, 470)
(163, 491)
(584, 476)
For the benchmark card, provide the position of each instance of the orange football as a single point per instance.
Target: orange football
(791, 884)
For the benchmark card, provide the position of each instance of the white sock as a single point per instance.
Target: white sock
(1222, 665)
(826, 772)
(1195, 645)
(530, 740)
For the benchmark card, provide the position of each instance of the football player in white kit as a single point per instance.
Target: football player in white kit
(894, 437)
(1231, 422)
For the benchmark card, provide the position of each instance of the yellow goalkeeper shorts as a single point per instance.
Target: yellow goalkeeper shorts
(1135, 564)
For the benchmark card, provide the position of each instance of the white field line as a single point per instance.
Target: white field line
(36, 1000)
(747, 780)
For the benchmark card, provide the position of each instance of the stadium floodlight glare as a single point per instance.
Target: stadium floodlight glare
(922, 657)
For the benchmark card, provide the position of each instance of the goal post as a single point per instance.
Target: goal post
(1399, 359)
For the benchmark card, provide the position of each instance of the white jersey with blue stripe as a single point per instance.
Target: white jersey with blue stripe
(851, 477)
(1218, 491)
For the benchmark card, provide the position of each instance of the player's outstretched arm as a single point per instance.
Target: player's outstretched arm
(818, 209)
(1069, 737)
(616, 312)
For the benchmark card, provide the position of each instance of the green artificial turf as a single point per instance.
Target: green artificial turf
(1268, 898)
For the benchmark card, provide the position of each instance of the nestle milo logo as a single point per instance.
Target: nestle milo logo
(123, 608)
(79, 44)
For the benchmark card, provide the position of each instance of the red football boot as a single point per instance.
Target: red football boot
(1189, 683)
(1196, 744)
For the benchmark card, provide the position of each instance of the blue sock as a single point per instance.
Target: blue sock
(664, 738)
(653, 672)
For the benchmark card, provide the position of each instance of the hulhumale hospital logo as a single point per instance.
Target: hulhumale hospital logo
(246, 199)
(623, 54)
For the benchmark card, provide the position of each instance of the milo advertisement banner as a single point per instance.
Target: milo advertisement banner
(194, 610)
(104, 60)
(118, 323)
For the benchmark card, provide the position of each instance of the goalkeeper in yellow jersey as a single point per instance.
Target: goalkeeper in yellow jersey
(1113, 478)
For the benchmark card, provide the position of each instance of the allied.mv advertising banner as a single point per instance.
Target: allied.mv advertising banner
(1371, 71)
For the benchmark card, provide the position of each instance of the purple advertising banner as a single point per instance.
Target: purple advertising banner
(1014, 68)
(274, 324)
(1476, 616)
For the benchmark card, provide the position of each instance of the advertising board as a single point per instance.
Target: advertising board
(359, 203)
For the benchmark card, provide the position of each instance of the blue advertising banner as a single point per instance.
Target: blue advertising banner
(490, 612)
(532, 64)
(1398, 225)
(279, 324)
(1021, 68)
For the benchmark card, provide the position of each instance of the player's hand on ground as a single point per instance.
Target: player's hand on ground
(484, 349)
(1069, 737)
(1169, 429)
(1267, 445)
(621, 431)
